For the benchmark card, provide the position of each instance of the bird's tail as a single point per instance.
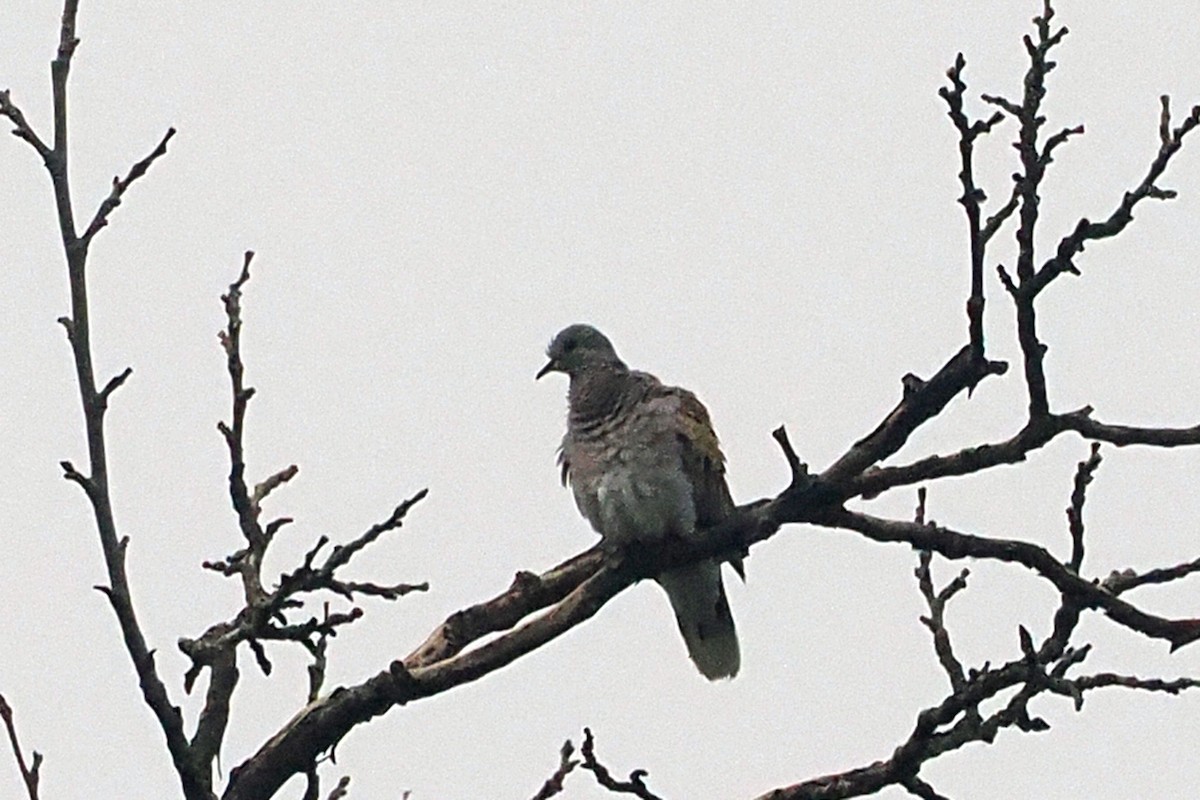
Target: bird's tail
(702, 611)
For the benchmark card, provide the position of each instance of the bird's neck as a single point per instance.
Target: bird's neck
(598, 393)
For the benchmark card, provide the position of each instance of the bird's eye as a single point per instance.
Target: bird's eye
(569, 345)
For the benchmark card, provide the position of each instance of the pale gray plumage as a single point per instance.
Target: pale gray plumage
(643, 463)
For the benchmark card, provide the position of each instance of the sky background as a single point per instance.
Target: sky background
(757, 203)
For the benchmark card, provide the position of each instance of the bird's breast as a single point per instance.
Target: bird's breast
(631, 502)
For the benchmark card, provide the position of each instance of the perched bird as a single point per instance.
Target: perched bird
(643, 462)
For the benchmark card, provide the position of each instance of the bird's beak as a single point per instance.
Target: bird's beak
(551, 366)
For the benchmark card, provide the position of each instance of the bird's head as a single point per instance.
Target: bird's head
(579, 348)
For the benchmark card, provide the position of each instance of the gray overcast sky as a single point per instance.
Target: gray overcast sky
(755, 202)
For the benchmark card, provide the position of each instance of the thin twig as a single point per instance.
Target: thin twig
(341, 790)
(1171, 141)
(936, 622)
(30, 771)
(121, 185)
(1083, 476)
(1123, 581)
(1033, 164)
(21, 128)
(636, 785)
(972, 196)
(555, 783)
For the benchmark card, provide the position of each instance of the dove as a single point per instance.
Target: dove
(643, 463)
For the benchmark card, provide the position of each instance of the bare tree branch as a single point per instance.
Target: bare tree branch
(1122, 581)
(231, 342)
(1033, 436)
(1121, 435)
(196, 780)
(341, 790)
(21, 128)
(1083, 477)
(265, 615)
(920, 788)
(1033, 166)
(555, 783)
(120, 186)
(972, 197)
(113, 384)
(1085, 231)
(921, 402)
(935, 622)
(528, 593)
(29, 770)
(322, 724)
(1106, 679)
(636, 785)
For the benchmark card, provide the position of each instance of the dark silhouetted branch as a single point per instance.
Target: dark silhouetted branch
(1033, 169)
(1106, 679)
(1073, 244)
(21, 128)
(1121, 435)
(265, 614)
(921, 402)
(1035, 434)
(30, 770)
(935, 622)
(1122, 581)
(636, 785)
(341, 790)
(920, 788)
(120, 186)
(196, 781)
(322, 724)
(1083, 476)
(972, 197)
(556, 782)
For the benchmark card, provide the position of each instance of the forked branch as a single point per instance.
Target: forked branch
(95, 402)
(30, 770)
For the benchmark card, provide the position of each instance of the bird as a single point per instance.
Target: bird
(643, 463)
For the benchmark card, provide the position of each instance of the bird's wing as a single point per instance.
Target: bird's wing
(701, 458)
